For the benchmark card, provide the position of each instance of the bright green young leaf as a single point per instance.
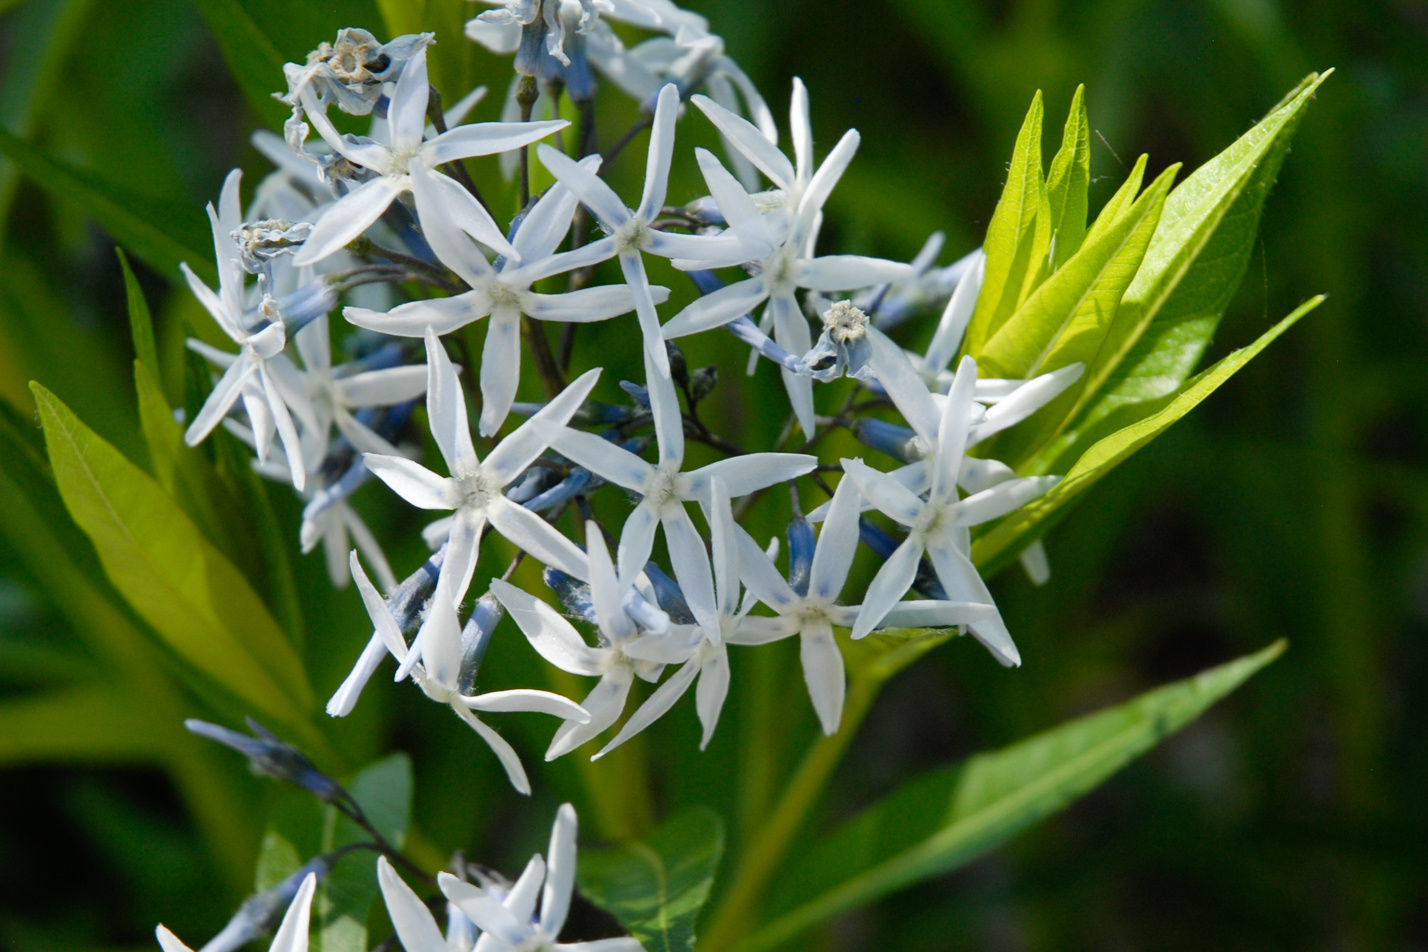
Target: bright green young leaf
(1010, 234)
(384, 791)
(1068, 182)
(1198, 257)
(1121, 202)
(1141, 423)
(656, 886)
(175, 579)
(133, 221)
(1065, 320)
(952, 816)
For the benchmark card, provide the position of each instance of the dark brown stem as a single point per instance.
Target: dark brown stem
(546, 366)
(527, 92)
(456, 168)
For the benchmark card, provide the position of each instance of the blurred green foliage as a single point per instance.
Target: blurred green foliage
(1292, 504)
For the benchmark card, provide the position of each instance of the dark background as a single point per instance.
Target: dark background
(1294, 503)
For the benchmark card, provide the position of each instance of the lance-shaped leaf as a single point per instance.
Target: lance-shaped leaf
(252, 57)
(1120, 203)
(1198, 257)
(655, 887)
(1065, 320)
(1068, 183)
(192, 596)
(90, 723)
(1136, 426)
(132, 220)
(1010, 234)
(952, 816)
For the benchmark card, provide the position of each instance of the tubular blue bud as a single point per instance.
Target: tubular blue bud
(573, 594)
(304, 305)
(637, 393)
(669, 596)
(475, 638)
(899, 442)
(261, 912)
(800, 554)
(270, 756)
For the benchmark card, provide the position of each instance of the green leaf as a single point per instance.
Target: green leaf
(1010, 234)
(1065, 320)
(193, 597)
(1150, 419)
(141, 321)
(656, 886)
(384, 791)
(130, 219)
(1121, 201)
(1068, 182)
(90, 723)
(252, 57)
(952, 816)
(1197, 259)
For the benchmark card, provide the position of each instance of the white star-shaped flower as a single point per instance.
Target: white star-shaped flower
(559, 643)
(407, 164)
(629, 232)
(939, 525)
(291, 935)
(512, 924)
(439, 672)
(504, 293)
(664, 489)
(474, 488)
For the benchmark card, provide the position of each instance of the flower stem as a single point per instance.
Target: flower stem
(737, 912)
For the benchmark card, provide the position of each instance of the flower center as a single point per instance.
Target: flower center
(846, 324)
(661, 490)
(631, 235)
(475, 491)
(778, 269)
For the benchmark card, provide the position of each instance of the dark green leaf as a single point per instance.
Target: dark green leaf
(656, 886)
(252, 57)
(950, 817)
(141, 321)
(175, 579)
(133, 221)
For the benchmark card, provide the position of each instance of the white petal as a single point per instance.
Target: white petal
(406, 113)
(442, 203)
(791, 333)
(761, 630)
(547, 223)
(929, 613)
(382, 388)
(742, 475)
(412, 481)
(521, 900)
(1001, 499)
(952, 432)
(486, 138)
(1026, 400)
(220, 401)
(410, 917)
(738, 208)
(440, 633)
(887, 494)
(959, 577)
(516, 452)
(500, 369)
(636, 541)
(801, 129)
(710, 694)
(745, 137)
(610, 462)
(904, 385)
(606, 593)
(634, 270)
(349, 216)
(953, 325)
(888, 586)
(550, 634)
(690, 562)
(656, 706)
(344, 699)
(724, 543)
(848, 272)
(446, 410)
(826, 178)
(442, 315)
(560, 876)
(485, 910)
(292, 446)
(594, 193)
(1035, 563)
(717, 308)
(586, 256)
(225, 317)
(538, 537)
(823, 673)
(664, 407)
(588, 304)
(761, 577)
(837, 543)
(661, 149)
(378, 612)
(705, 251)
(604, 705)
(170, 942)
(528, 700)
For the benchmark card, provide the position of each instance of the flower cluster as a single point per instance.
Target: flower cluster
(390, 228)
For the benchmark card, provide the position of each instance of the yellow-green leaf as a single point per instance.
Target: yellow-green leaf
(192, 596)
(1068, 182)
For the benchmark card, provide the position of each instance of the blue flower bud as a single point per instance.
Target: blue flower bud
(669, 596)
(899, 442)
(261, 912)
(800, 554)
(270, 756)
(475, 638)
(573, 594)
